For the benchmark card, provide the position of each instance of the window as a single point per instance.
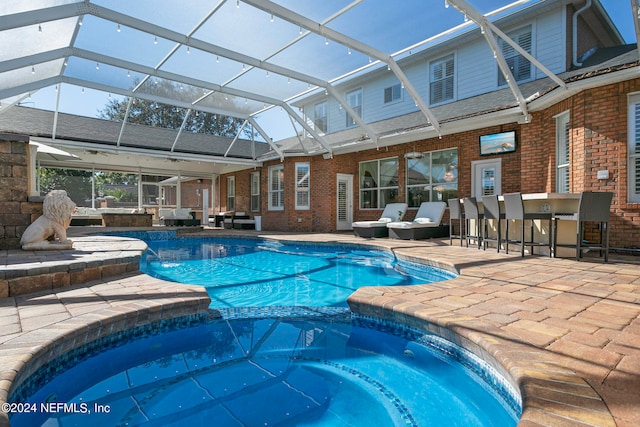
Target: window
(320, 116)
(231, 193)
(634, 149)
(441, 80)
(392, 93)
(520, 66)
(354, 100)
(562, 153)
(302, 186)
(378, 183)
(433, 177)
(255, 191)
(276, 188)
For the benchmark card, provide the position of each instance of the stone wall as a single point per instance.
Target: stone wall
(17, 210)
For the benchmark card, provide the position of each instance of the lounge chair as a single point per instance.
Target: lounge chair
(425, 225)
(392, 212)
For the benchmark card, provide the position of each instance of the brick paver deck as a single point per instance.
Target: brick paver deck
(566, 333)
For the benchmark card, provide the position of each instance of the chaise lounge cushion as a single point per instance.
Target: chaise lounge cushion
(429, 215)
(392, 212)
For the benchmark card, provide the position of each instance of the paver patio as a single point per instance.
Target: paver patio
(566, 333)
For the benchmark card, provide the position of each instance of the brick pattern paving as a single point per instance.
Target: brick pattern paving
(566, 333)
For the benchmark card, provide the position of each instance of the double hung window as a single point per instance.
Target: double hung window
(563, 157)
(276, 188)
(255, 191)
(441, 80)
(302, 186)
(519, 65)
(354, 100)
(634, 150)
(231, 193)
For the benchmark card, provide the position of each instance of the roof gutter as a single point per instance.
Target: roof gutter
(574, 25)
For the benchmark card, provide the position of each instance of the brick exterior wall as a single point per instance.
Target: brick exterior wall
(597, 142)
(16, 210)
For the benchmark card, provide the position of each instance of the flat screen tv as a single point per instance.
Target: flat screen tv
(498, 143)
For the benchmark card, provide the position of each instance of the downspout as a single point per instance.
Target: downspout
(574, 24)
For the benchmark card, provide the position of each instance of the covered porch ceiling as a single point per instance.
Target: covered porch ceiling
(247, 59)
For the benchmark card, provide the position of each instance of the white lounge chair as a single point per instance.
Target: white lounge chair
(392, 212)
(425, 225)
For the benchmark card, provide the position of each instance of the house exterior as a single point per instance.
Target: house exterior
(573, 123)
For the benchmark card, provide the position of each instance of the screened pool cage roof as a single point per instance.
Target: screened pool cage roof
(249, 59)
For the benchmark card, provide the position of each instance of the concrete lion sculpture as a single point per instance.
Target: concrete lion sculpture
(49, 231)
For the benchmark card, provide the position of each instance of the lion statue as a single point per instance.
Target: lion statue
(51, 227)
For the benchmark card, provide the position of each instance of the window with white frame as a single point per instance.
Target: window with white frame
(255, 191)
(320, 116)
(302, 186)
(231, 193)
(634, 149)
(563, 154)
(354, 100)
(441, 79)
(519, 65)
(378, 183)
(434, 177)
(276, 188)
(392, 93)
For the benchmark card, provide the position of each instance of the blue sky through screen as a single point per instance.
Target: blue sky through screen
(88, 102)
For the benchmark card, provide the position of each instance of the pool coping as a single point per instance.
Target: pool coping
(530, 318)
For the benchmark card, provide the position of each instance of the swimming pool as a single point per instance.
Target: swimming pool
(303, 368)
(253, 272)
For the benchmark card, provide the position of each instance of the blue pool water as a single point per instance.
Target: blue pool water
(251, 272)
(328, 370)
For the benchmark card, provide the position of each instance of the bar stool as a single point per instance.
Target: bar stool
(593, 207)
(471, 212)
(491, 207)
(514, 211)
(455, 213)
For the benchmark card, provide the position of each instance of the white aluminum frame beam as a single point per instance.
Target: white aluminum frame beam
(356, 45)
(266, 137)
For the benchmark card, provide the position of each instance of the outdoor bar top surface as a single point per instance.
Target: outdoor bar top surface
(566, 333)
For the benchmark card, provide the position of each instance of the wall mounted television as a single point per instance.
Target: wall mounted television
(498, 143)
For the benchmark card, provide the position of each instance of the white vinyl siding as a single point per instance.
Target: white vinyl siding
(276, 188)
(255, 191)
(634, 149)
(442, 80)
(519, 66)
(475, 73)
(563, 154)
(231, 193)
(302, 186)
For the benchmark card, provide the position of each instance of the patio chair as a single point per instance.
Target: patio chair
(594, 207)
(455, 214)
(471, 212)
(425, 225)
(392, 212)
(514, 211)
(491, 207)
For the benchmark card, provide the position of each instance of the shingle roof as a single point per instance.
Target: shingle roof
(34, 122)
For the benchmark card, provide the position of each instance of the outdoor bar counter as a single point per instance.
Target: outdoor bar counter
(556, 203)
